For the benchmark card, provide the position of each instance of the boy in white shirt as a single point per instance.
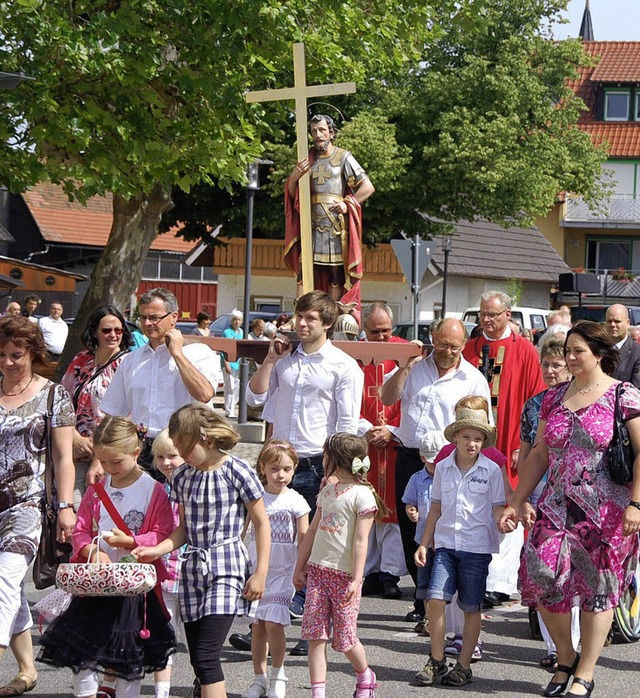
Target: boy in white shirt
(467, 500)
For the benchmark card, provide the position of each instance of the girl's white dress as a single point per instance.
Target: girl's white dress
(283, 510)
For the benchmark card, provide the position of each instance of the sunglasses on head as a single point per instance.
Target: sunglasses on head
(109, 330)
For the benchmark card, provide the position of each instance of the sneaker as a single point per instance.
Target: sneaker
(431, 671)
(453, 647)
(296, 608)
(477, 652)
(258, 689)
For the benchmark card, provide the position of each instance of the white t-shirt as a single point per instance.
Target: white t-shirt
(341, 506)
(54, 332)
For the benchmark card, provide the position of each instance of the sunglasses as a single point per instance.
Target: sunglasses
(109, 330)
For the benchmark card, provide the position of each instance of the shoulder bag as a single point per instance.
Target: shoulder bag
(620, 456)
(50, 552)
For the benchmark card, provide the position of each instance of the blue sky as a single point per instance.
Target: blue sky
(613, 20)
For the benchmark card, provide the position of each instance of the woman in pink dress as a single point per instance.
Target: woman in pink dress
(583, 546)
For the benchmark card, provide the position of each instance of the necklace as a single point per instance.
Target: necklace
(33, 375)
(584, 391)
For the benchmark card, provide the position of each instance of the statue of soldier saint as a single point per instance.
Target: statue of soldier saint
(338, 186)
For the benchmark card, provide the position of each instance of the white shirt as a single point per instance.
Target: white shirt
(428, 401)
(312, 396)
(55, 333)
(148, 387)
(467, 499)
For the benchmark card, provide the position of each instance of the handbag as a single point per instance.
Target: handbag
(107, 578)
(620, 456)
(50, 552)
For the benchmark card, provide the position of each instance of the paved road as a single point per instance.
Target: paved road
(509, 668)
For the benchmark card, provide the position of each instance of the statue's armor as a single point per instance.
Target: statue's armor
(332, 177)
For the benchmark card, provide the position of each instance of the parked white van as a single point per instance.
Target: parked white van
(534, 319)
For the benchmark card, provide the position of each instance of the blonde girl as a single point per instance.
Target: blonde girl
(125, 637)
(331, 561)
(288, 514)
(214, 494)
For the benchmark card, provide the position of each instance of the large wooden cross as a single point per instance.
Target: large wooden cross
(300, 92)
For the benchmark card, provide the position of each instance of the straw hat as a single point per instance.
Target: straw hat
(472, 419)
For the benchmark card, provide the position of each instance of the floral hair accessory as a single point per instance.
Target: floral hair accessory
(360, 465)
(141, 430)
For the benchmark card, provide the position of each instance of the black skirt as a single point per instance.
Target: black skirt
(103, 634)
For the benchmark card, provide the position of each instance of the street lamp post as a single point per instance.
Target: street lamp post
(446, 248)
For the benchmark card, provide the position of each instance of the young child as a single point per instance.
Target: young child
(331, 561)
(288, 514)
(214, 491)
(126, 637)
(467, 500)
(417, 500)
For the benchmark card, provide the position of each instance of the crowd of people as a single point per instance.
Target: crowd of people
(434, 468)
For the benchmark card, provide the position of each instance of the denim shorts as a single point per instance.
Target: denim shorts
(463, 572)
(424, 577)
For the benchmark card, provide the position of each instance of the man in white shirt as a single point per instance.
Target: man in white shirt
(54, 330)
(429, 388)
(154, 381)
(308, 393)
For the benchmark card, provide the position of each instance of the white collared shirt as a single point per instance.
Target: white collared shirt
(148, 386)
(428, 400)
(619, 344)
(312, 396)
(54, 332)
(466, 523)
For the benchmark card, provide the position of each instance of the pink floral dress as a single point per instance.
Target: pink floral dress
(576, 553)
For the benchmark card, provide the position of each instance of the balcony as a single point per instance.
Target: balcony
(380, 263)
(618, 211)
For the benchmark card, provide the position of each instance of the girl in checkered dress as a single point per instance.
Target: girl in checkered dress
(331, 561)
(214, 492)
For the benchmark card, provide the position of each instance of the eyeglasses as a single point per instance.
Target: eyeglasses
(546, 366)
(109, 330)
(153, 319)
(453, 348)
(491, 316)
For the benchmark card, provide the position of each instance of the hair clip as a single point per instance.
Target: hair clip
(141, 430)
(268, 447)
(360, 465)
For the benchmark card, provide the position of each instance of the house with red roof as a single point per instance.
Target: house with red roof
(50, 230)
(606, 238)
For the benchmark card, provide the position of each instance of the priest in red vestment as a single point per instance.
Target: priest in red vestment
(385, 558)
(512, 367)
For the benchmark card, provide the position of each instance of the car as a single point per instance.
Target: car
(534, 319)
(223, 322)
(404, 330)
(186, 326)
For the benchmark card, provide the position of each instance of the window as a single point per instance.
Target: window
(616, 105)
(637, 116)
(608, 254)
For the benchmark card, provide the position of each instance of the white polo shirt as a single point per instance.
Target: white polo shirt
(467, 500)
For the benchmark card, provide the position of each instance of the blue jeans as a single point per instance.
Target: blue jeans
(424, 577)
(463, 572)
(307, 478)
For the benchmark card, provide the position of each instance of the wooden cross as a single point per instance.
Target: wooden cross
(300, 92)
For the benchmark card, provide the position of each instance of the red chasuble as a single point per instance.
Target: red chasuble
(382, 474)
(514, 377)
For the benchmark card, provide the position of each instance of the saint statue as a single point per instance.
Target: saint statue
(338, 186)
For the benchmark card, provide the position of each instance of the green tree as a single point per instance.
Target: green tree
(137, 96)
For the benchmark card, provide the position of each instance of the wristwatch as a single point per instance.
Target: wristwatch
(66, 505)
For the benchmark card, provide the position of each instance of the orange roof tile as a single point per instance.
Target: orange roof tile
(616, 62)
(64, 221)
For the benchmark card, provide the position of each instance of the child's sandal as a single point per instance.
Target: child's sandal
(458, 676)
(366, 690)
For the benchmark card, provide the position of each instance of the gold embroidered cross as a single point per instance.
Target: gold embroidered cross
(322, 174)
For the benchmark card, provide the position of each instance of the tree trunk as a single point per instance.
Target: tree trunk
(119, 269)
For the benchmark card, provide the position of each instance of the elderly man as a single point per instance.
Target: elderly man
(154, 381)
(512, 368)
(378, 422)
(54, 330)
(13, 309)
(617, 323)
(428, 388)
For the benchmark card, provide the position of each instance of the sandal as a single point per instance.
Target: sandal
(366, 690)
(106, 692)
(550, 661)
(458, 676)
(19, 684)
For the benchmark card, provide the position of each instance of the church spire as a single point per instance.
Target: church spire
(586, 28)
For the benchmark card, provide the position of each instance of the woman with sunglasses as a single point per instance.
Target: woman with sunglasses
(107, 339)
